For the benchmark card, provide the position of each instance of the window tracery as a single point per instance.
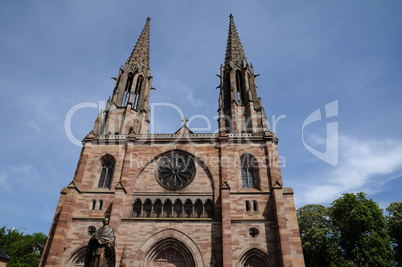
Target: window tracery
(91, 230)
(249, 171)
(127, 89)
(175, 170)
(240, 88)
(137, 91)
(105, 179)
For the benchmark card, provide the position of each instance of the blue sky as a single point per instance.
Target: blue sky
(57, 54)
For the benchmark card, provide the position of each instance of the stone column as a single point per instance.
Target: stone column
(226, 226)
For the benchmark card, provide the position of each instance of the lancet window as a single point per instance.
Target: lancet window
(105, 179)
(127, 89)
(249, 171)
(137, 91)
(226, 95)
(240, 88)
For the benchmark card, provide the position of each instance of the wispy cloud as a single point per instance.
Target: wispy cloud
(34, 126)
(4, 183)
(181, 92)
(364, 166)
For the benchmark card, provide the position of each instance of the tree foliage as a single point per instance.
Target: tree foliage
(363, 238)
(351, 232)
(315, 232)
(394, 223)
(19, 247)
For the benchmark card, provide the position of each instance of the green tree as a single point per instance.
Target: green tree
(19, 247)
(363, 239)
(316, 235)
(394, 223)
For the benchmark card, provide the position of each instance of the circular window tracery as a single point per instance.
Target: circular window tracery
(175, 171)
(253, 232)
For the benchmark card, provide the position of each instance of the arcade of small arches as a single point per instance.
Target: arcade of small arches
(178, 208)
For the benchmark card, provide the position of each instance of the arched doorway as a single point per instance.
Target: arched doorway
(165, 244)
(255, 261)
(170, 258)
(77, 258)
(256, 257)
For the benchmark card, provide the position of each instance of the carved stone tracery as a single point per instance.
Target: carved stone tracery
(254, 261)
(175, 170)
(170, 258)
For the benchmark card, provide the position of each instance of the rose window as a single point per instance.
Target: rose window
(175, 171)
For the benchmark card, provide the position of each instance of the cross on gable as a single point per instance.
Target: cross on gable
(185, 120)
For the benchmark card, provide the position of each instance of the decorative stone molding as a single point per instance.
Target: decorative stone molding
(164, 239)
(256, 257)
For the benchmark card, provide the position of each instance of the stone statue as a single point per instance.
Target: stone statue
(101, 248)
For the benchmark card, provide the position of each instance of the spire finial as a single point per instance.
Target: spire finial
(140, 53)
(234, 48)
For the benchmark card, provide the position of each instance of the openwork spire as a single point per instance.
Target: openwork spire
(140, 53)
(234, 48)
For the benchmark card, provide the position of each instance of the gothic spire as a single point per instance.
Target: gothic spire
(234, 48)
(140, 53)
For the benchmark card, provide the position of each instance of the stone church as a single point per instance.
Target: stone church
(180, 199)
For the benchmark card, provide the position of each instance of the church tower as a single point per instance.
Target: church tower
(179, 199)
(127, 110)
(240, 109)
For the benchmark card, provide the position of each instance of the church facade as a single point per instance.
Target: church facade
(180, 199)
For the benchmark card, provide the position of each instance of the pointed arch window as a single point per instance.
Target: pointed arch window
(227, 92)
(127, 89)
(240, 88)
(105, 179)
(137, 91)
(249, 171)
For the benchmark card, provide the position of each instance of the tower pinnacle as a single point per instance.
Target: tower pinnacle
(240, 108)
(127, 110)
(140, 53)
(234, 48)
